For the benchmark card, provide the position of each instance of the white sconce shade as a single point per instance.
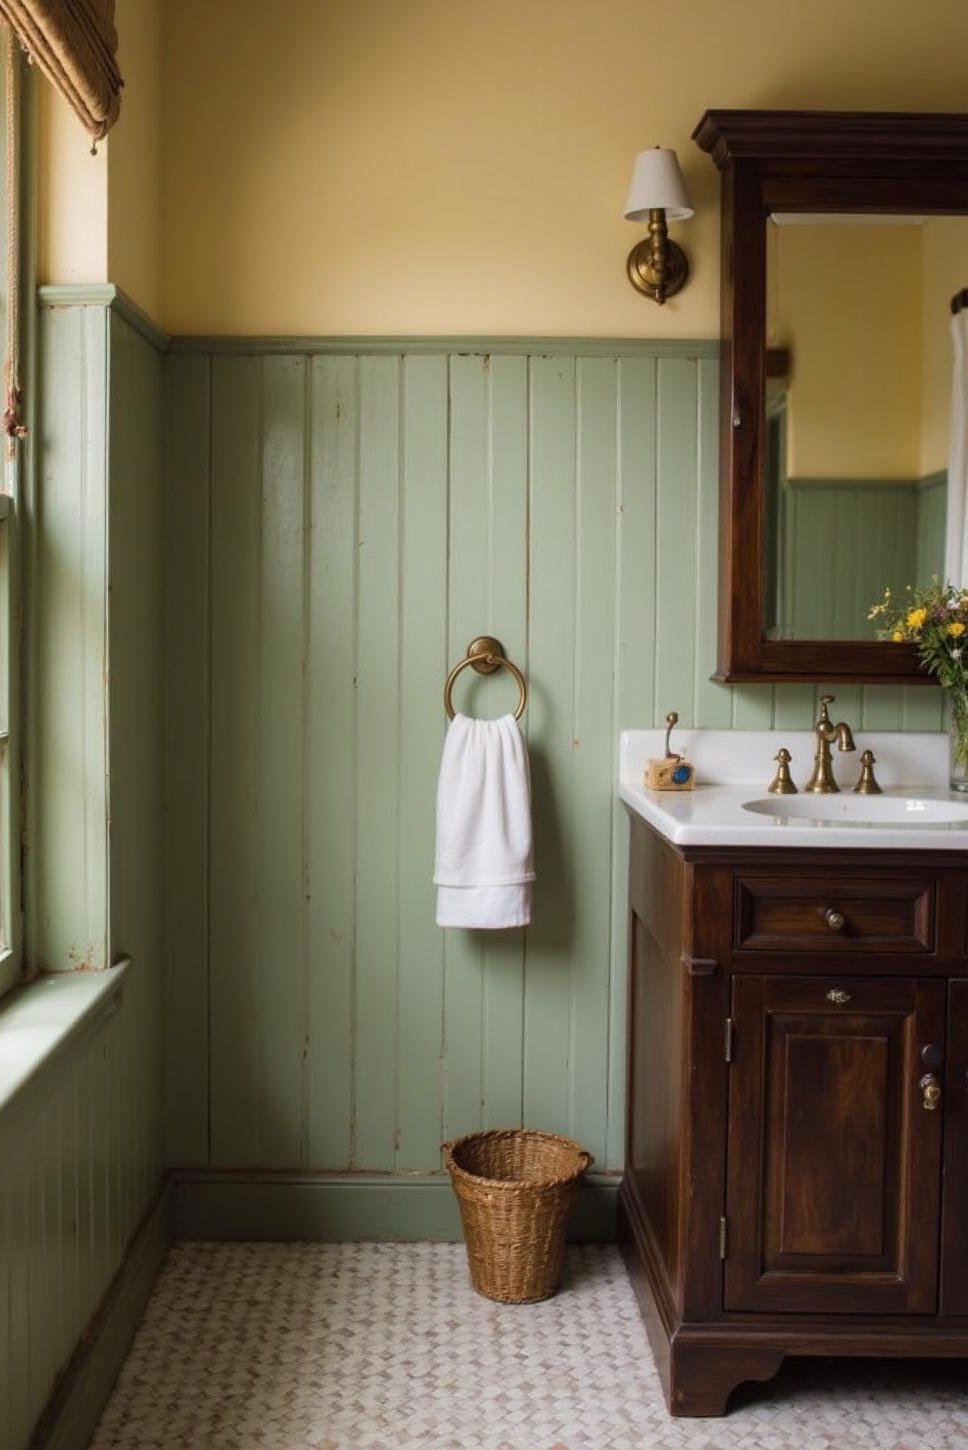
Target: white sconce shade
(657, 182)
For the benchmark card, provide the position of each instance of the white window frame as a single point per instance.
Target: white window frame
(11, 904)
(15, 462)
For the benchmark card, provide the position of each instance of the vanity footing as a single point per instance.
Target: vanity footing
(700, 1364)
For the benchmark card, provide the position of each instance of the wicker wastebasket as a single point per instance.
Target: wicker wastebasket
(515, 1187)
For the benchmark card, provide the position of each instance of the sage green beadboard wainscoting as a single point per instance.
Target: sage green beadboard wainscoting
(81, 1200)
(869, 534)
(932, 516)
(344, 517)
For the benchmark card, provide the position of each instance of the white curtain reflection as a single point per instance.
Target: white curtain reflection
(956, 544)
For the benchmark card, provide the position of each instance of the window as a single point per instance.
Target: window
(13, 86)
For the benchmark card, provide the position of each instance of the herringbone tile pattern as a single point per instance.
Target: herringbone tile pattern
(386, 1347)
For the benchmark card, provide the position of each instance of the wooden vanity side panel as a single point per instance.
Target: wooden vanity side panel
(653, 1130)
(704, 1087)
(954, 1202)
(680, 921)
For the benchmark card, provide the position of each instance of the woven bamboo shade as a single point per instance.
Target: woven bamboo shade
(75, 44)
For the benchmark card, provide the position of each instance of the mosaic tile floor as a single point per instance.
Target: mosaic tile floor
(386, 1347)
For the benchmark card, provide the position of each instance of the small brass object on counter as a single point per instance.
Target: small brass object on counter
(672, 772)
(782, 783)
(867, 785)
(822, 780)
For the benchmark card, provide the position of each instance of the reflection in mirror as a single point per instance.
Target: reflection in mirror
(858, 398)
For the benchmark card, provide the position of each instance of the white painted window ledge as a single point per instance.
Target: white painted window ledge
(44, 1018)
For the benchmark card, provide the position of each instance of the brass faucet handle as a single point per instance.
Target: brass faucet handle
(782, 783)
(825, 700)
(867, 785)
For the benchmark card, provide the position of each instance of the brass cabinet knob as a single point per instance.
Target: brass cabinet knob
(930, 1092)
(838, 996)
(834, 919)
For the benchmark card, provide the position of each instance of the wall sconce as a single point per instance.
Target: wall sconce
(657, 266)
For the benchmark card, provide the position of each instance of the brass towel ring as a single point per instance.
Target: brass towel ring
(486, 655)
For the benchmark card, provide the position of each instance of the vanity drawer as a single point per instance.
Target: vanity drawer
(825, 912)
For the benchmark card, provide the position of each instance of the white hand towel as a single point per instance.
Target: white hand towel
(483, 869)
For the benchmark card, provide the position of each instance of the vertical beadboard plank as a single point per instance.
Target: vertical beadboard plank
(507, 583)
(101, 1179)
(594, 793)
(67, 802)
(713, 701)
(32, 1160)
(423, 665)
(187, 538)
(378, 762)
(636, 602)
(280, 979)
(8, 1355)
(235, 902)
(18, 1231)
(83, 1108)
(468, 615)
(881, 708)
(922, 708)
(753, 707)
(136, 608)
(332, 759)
(33, 1329)
(551, 938)
(793, 707)
(676, 563)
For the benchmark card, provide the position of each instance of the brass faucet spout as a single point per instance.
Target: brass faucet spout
(822, 780)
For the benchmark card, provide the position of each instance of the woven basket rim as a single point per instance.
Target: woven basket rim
(515, 1185)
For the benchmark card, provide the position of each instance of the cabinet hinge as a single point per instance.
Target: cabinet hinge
(728, 1040)
(722, 1237)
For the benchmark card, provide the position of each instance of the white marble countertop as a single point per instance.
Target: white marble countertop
(734, 768)
(715, 815)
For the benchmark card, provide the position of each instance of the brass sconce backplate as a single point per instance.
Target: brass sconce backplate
(642, 274)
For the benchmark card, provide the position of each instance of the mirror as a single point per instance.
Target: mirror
(843, 235)
(857, 413)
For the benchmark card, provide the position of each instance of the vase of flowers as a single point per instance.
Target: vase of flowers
(935, 618)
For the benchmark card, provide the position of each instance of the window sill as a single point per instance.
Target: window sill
(46, 1018)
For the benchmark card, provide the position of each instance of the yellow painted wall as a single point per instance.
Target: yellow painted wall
(135, 232)
(438, 166)
(847, 301)
(944, 261)
(72, 195)
(99, 217)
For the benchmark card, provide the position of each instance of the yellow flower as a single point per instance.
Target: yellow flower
(956, 627)
(897, 636)
(916, 618)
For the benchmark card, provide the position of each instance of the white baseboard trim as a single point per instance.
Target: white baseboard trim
(334, 1207)
(82, 1390)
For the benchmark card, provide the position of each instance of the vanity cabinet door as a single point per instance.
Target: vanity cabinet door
(833, 1191)
(954, 1244)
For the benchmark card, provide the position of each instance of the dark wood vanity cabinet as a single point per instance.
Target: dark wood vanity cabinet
(797, 1138)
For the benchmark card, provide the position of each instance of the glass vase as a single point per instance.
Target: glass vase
(958, 742)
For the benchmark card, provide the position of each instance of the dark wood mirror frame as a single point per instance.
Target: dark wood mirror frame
(801, 161)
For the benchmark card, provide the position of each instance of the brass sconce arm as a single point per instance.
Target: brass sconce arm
(658, 267)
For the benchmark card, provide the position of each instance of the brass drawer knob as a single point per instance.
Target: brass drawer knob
(838, 996)
(834, 919)
(930, 1092)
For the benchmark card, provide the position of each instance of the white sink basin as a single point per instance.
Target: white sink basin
(904, 811)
